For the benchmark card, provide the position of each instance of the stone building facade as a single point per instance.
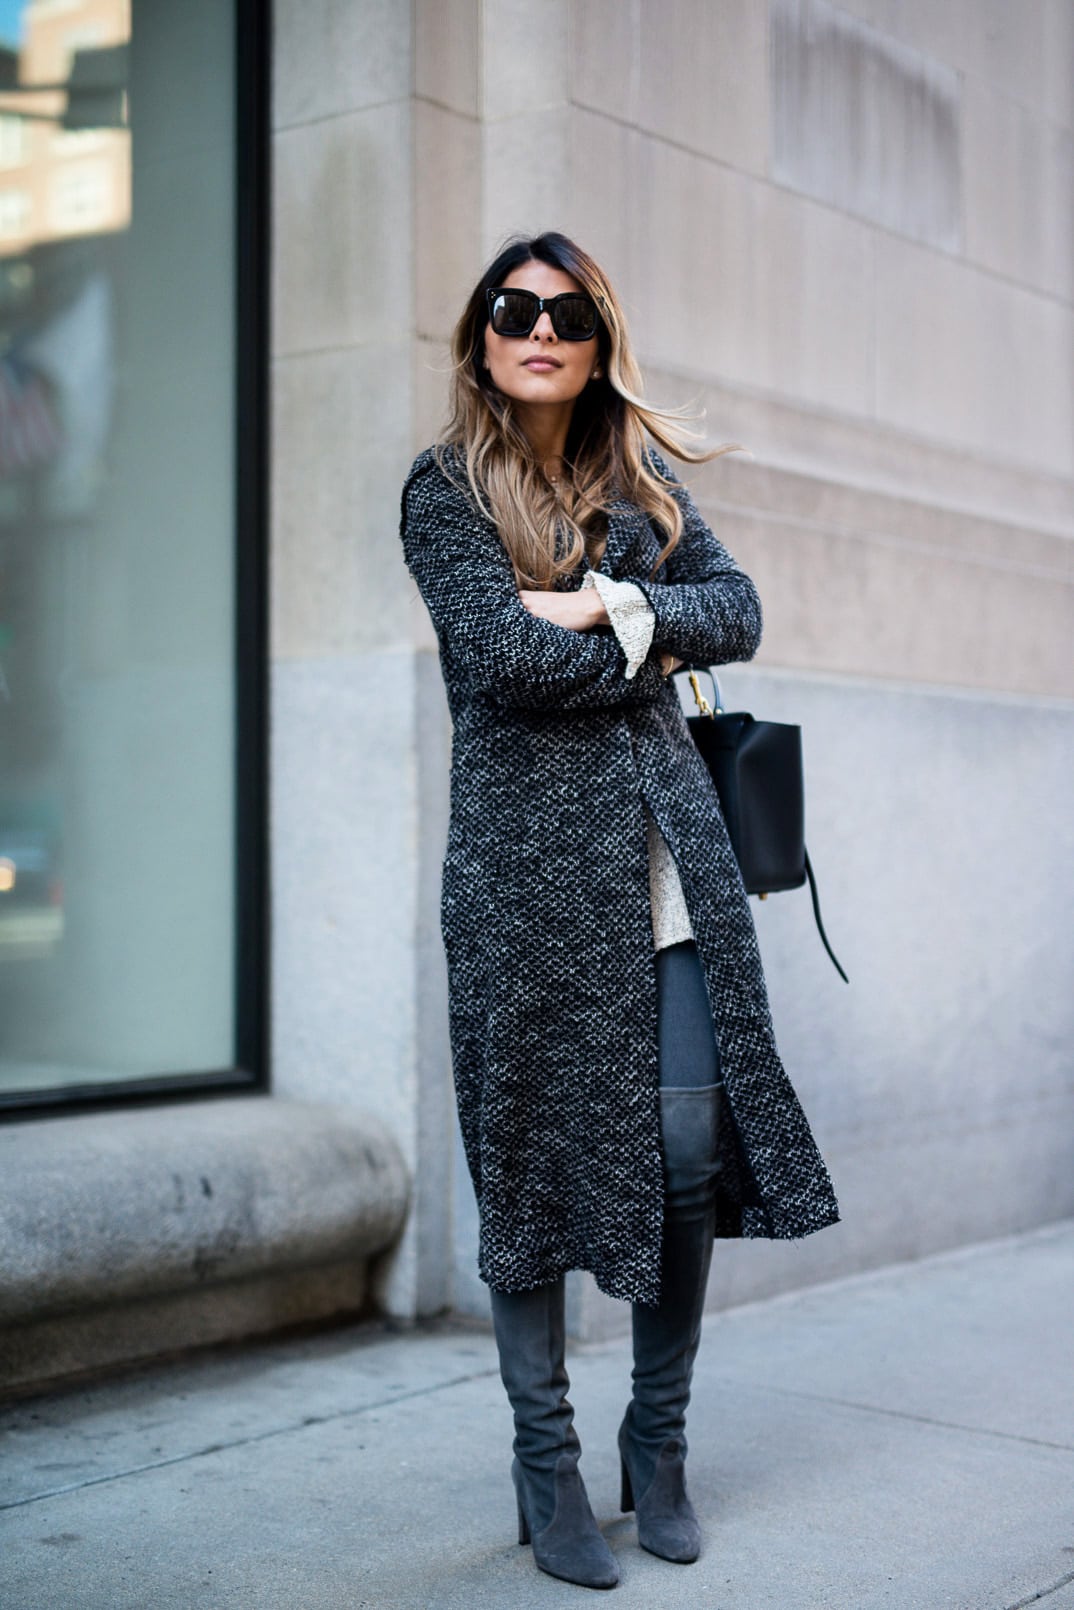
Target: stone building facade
(845, 230)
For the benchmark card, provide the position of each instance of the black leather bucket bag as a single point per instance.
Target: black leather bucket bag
(757, 769)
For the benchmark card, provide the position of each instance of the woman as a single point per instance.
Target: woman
(620, 1094)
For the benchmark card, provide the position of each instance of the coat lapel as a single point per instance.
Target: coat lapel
(626, 523)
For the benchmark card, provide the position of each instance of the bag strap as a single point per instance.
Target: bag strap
(816, 914)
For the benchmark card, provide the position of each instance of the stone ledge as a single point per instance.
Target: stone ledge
(124, 1234)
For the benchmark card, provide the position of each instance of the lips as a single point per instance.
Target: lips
(540, 365)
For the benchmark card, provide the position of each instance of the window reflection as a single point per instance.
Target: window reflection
(116, 539)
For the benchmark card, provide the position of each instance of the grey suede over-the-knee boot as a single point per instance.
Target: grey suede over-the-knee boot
(553, 1507)
(652, 1437)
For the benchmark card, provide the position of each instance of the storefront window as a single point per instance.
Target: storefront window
(119, 717)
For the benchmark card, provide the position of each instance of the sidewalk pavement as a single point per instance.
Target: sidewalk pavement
(903, 1440)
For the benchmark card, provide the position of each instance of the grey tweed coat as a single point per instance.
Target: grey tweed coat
(545, 903)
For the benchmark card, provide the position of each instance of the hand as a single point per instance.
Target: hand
(669, 662)
(576, 611)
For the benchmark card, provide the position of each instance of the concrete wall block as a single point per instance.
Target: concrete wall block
(341, 231)
(361, 753)
(693, 74)
(447, 202)
(524, 57)
(344, 825)
(1057, 183)
(605, 56)
(1019, 191)
(861, 604)
(345, 966)
(1002, 43)
(904, 520)
(432, 380)
(102, 1208)
(972, 360)
(704, 78)
(606, 211)
(332, 56)
(856, 582)
(1058, 101)
(714, 253)
(956, 1023)
(962, 1015)
(447, 54)
(345, 844)
(844, 451)
(527, 173)
(864, 122)
(432, 377)
(341, 445)
(938, 1083)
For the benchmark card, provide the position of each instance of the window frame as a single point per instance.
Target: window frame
(251, 299)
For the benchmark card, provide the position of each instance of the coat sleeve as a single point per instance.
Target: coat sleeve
(708, 611)
(468, 583)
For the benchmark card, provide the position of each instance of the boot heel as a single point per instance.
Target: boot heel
(626, 1490)
(523, 1524)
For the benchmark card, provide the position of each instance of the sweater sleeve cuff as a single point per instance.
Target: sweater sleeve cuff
(631, 616)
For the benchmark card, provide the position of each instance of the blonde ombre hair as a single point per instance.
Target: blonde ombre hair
(547, 530)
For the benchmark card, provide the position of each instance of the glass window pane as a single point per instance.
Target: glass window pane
(117, 540)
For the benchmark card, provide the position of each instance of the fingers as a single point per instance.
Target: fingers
(571, 610)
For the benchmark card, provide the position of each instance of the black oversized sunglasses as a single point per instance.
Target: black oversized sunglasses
(515, 312)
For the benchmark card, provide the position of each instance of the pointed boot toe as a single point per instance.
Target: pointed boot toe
(570, 1546)
(667, 1524)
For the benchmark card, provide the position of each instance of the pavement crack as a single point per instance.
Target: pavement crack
(207, 1449)
(1044, 1593)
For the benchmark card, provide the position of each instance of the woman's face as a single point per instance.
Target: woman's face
(539, 369)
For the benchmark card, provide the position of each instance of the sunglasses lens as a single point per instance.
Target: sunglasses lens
(575, 318)
(512, 312)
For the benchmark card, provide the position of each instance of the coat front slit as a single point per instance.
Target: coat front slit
(545, 903)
